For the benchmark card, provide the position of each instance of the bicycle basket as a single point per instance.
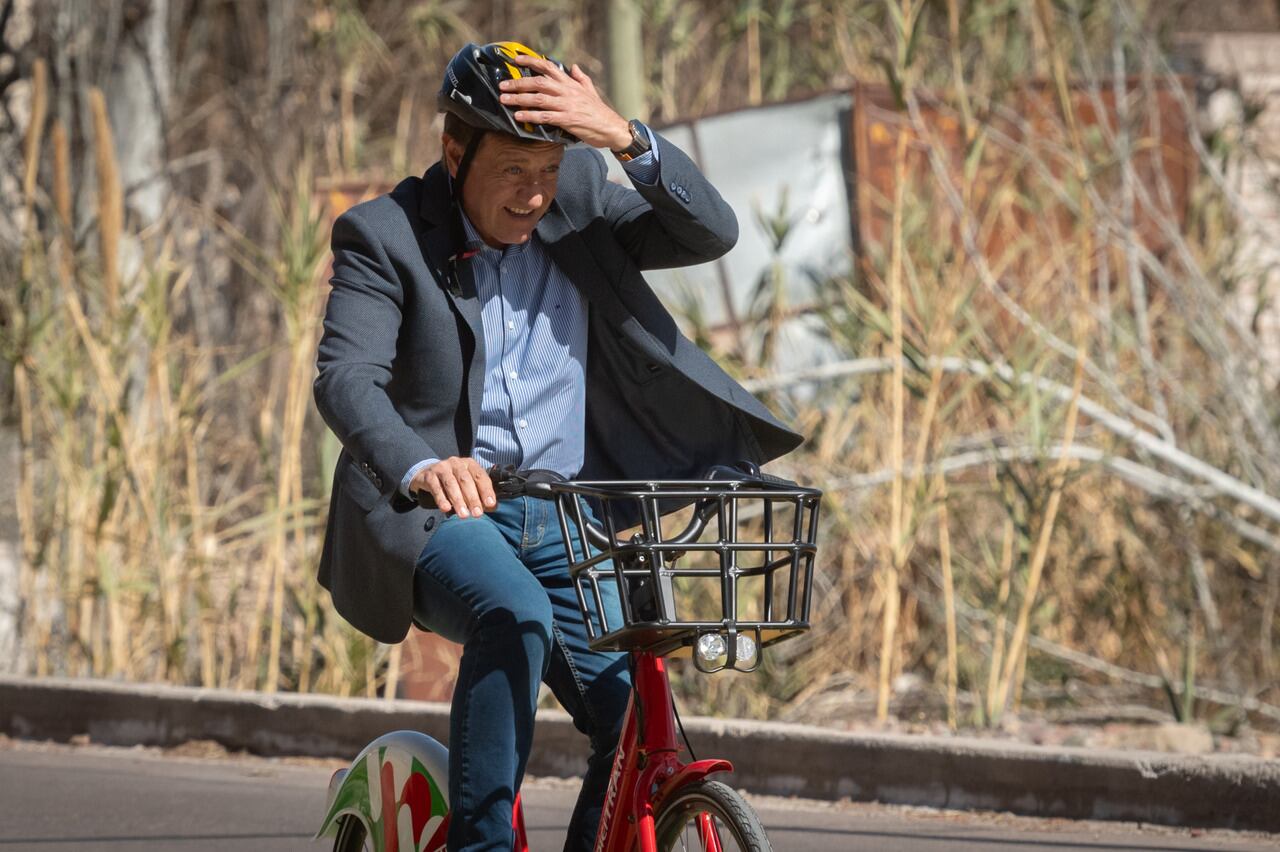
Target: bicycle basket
(731, 572)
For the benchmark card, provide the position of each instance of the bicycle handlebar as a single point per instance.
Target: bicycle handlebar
(509, 483)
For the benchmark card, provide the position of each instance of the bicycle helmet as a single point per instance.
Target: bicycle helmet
(470, 91)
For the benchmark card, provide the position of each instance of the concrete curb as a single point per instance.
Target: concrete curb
(1229, 791)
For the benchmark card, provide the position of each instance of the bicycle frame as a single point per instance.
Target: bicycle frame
(647, 768)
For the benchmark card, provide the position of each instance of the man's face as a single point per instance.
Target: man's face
(509, 186)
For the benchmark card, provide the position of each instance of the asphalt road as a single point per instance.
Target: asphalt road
(55, 798)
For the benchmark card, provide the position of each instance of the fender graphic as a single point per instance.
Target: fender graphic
(397, 787)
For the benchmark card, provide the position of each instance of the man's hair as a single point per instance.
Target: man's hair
(459, 130)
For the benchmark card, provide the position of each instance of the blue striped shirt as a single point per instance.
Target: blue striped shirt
(535, 345)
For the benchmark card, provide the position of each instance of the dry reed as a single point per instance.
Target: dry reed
(110, 201)
(1057, 389)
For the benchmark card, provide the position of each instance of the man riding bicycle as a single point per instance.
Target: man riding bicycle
(493, 312)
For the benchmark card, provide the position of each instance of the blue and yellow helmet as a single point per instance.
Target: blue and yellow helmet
(470, 90)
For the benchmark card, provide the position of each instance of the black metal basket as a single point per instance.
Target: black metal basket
(747, 572)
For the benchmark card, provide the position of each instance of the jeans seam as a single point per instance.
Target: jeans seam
(577, 678)
(464, 771)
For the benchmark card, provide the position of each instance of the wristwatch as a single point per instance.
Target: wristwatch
(639, 142)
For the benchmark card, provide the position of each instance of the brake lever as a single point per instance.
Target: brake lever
(749, 473)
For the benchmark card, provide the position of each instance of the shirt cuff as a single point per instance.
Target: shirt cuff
(644, 169)
(414, 471)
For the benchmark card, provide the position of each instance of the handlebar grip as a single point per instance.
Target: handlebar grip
(776, 480)
(507, 483)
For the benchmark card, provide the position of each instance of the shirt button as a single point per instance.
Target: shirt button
(510, 324)
(524, 424)
(514, 374)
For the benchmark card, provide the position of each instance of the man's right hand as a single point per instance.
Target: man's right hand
(457, 484)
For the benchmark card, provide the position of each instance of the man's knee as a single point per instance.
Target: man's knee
(605, 694)
(521, 623)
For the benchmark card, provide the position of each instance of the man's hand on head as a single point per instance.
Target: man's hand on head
(459, 485)
(566, 100)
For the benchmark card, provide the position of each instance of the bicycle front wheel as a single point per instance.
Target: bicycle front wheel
(351, 836)
(709, 816)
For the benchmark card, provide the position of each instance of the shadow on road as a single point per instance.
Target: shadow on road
(973, 839)
(150, 838)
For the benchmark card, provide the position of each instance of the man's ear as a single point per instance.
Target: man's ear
(453, 152)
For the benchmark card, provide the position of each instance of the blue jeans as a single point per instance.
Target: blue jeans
(499, 585)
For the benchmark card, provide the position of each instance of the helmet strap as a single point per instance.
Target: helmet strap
(459, 233)
(464, 165)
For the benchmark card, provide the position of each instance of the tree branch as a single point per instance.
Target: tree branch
(1220, 481)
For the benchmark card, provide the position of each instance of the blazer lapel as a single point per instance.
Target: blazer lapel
(572, 253)
(575, 259)
(437, 246)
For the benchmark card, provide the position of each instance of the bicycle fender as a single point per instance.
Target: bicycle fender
(688, 774)
(398, 788)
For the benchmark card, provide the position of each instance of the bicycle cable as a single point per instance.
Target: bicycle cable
(680, 725)
(639, 710)
(636, 703)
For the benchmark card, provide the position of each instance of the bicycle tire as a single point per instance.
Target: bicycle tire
(351, 835)
(677, 819)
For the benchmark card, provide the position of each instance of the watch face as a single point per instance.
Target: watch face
(639, 139)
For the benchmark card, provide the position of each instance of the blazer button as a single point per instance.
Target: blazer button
(429, 525)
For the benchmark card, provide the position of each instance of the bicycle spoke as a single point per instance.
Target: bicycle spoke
(709, 816)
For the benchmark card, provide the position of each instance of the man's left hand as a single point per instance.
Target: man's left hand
(566, 100)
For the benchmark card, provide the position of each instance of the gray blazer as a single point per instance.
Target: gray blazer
(401, 361)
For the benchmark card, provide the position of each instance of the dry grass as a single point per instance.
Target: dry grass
(1050, 459)
(168, 531)
(1056, 369)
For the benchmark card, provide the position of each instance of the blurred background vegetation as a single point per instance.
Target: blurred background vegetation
(1051, 444)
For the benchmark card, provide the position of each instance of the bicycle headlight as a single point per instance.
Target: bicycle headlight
(745, 647)
(711, 647)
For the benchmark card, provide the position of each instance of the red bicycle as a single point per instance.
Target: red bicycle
(735, 579)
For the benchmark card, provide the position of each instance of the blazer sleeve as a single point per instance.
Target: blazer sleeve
(361, 325)
(680, 220)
